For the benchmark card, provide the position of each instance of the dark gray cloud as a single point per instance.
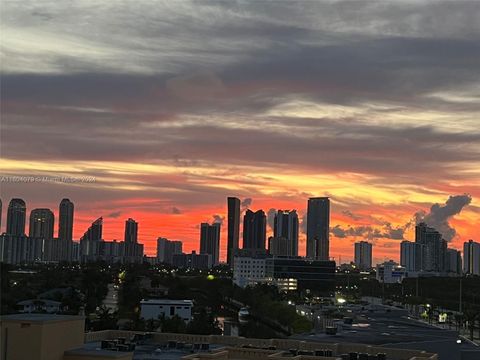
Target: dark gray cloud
(439, 215)
(114, 214)
(218, 219)
(245, 204)
(351, 215)
(303, 223)
(271, 218)
(176, 210)
(369, 232)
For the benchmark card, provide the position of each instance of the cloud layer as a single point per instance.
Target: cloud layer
(173, 106)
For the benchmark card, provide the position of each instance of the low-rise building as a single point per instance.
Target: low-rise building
(292, 273)
(158, 308)
(248, 271)
(39, 306)
(390, 272)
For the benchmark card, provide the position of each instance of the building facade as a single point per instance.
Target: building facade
(290, 273)
(471, 257)
(65, 220)
(233, 231)
(318, 228)
(41, 223)
(390, 272)
(16, 216)
(192, 261)
(411, 256)
(166, 249)
(254, 231)
(131, 231)
(434, 248)
(210, 241)
(157, 308)
(453, 263)
(286, 227)
(249, 271)
(363, 255)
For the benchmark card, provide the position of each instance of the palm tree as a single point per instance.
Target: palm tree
(471, 315)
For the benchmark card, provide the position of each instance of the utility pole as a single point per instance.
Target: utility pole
(416, 287)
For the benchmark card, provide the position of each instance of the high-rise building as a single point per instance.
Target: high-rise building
(434, 248)
(94, 232)
(471, 257)
(233, 218)
(65, 220)
(411, 256)
(278, 246)
(363, 255)
(166, 249)
(318, 228)
(192, 261)
(286, 226)
(453, 262)
(131, 231)
(16, 215)
(254, 230)
(90, 241)
(41, 224)
(210, 241)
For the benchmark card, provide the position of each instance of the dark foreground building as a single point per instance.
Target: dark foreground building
(314, 275)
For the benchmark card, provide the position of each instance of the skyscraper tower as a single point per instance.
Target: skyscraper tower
(94, 232)
(233, 218)
(318, 228)
(471, 257)
(363, 255)
(286, 226)
(434, 248)
(210, 241)
(65, 220)
(91, 240)
(131, 231)
(16, 215)
(41, 224)
(254, 230)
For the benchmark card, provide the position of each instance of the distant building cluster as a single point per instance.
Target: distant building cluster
(276, 261)
(252, 261)
(429, 255)
(40, 245)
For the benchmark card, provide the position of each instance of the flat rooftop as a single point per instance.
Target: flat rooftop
(39, 318)
(166, 302)
(142, 352)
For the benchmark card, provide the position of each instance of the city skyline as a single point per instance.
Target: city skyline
(194, 244)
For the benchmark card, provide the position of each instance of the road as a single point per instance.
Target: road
(395, 329)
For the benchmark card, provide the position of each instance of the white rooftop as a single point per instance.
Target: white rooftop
(166, 302)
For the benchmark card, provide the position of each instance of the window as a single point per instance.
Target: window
(172, 310)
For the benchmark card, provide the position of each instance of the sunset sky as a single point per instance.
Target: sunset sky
(173, 106)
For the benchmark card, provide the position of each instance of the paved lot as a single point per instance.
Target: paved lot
(395, 329)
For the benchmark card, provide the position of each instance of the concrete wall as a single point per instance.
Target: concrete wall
(45, 340)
